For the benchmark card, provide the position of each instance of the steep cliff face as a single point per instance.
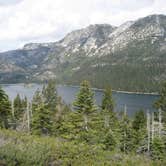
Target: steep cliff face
(129, 57)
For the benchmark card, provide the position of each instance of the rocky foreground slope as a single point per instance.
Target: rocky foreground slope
(129, 57)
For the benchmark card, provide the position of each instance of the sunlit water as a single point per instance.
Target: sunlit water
(133, 102)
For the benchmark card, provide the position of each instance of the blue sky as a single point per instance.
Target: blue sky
(24, 21)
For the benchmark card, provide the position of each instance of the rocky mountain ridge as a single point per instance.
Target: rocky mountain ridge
(101, 53)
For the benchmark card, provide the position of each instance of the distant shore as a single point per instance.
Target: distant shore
(117, 91)
(96, 89)
(139, 93)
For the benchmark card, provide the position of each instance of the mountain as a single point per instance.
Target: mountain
(129, 57)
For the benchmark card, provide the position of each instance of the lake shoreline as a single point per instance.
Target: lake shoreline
(96, 89)
(117, 91)
(133, 102)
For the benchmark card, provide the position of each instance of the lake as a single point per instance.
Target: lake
(133, 102)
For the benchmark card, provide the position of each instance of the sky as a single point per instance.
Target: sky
(25, 21)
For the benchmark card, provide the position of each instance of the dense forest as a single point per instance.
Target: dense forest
(46, 131)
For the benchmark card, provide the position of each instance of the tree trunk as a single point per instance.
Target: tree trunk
(85, 122)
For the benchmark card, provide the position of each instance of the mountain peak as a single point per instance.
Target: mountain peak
(97, 32)
(151, 19)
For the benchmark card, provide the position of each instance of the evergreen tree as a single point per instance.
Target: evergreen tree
(139, 121)
(139, 129)
(110, 120)
(84, 103)
(43, 114)
(50, 96)
(18, 107)
(37, 99)
(161, 102)
(2, 94)
(71, 125)
(41, 122)
(126, 132)
(158, 150)
(108, 102)
(110, 140)
(5, 110)
(61, 118)
(24, 103)
(109, 115)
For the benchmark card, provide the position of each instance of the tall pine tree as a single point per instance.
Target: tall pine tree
(126, 134)
(84, 103)
(108, 102)
(44, 106)
(19, 107)
(5, 110)
(110, 120)
(50, 96)
(161, 102)
(41, 122)
(108, 109)
(139, 129)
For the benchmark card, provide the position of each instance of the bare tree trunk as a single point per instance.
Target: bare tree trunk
(30, 108)
(148, 129)
(125, 134)
(160, 124)
(12, 108)
(125, 110)
(124, 145)
(86, 122)
(28, 116)
(152, 126)
(106, 121)
(24, 124)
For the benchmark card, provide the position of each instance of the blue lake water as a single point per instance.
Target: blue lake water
(133, 102)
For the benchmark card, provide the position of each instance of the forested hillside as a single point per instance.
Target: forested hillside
(130, 57)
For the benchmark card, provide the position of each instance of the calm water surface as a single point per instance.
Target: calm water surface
(134, 102)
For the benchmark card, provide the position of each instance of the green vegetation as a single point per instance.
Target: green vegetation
(5, 110)
(41, 121)
(20, 149)
(19, 106)
(51, 133)
(161, 103)
(44, 108)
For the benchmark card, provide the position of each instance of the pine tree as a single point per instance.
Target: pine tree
(18, 107)
(5, 110)
(110, 120)
(161, 102)
(41, 122)
(158, 149)
(37, 99)
(139, 129)
(24, 103)
(84, 103)
(61, 118)
(139, 121)
(126, 132)
(43, 116)
(109, 140)
(50, 96)
(108, 109)
(108, 102)
(70, 126)
(2, 94)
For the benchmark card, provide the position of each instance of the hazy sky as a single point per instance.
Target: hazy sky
(23, 21)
